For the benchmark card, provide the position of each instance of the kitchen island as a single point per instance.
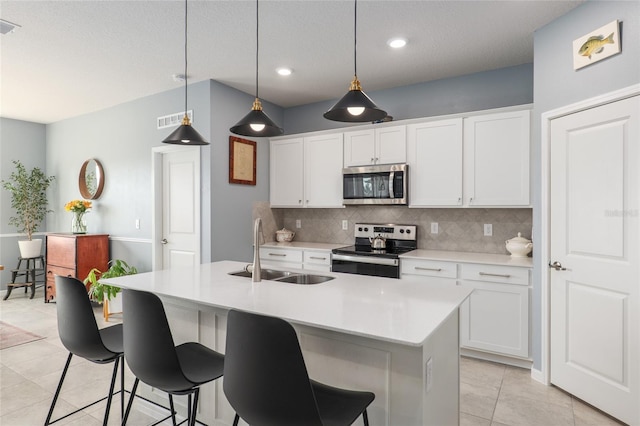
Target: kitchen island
(397, 339)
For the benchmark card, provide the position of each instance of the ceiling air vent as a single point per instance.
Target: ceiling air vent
(173, 120)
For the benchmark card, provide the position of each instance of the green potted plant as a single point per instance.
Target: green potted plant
(29, 200)
(104, 293)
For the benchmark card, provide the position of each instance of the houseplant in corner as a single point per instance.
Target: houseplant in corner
(29, 200)
(104, 293)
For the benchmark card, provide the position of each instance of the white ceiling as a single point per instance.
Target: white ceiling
(74, 57)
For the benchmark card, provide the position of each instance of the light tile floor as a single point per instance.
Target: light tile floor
(490, 393)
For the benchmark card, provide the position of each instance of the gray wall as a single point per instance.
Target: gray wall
(122, 137)
(557, 84)
(485, 90)
(24, 141)
(231, 204)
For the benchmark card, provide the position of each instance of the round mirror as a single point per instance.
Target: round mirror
(91, 179)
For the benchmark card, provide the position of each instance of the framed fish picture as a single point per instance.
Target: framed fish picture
(596, 46)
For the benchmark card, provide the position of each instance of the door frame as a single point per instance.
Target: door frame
(543, 375)
(157, 155)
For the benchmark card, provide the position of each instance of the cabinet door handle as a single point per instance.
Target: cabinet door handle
(277, 254)
(420, 268)
(487, 274)
(164, 241)
(373, 160)
(470, 200)
(317, 258)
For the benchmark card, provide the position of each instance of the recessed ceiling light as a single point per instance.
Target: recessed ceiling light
(284, 71)
(397, 42)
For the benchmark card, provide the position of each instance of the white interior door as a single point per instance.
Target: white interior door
(181, 208)
(595, 238)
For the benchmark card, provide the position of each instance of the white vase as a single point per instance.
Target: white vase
(30, 249)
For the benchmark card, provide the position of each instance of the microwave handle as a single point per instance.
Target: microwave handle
(391, 176)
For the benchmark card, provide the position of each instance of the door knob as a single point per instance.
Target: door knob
(557, 266)
(164, 241)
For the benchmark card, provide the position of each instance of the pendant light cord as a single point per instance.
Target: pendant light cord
(257, 47)
(355, 38)
(185, 55)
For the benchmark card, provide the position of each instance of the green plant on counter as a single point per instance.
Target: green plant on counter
(97, 290)
(28, 197)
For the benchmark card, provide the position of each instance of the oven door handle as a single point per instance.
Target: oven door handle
(366, 259)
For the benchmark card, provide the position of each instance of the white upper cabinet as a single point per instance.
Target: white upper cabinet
(286, 181)
(323, 171)
(434, 155)
(306, 172)
(385, 145)
(496, 159)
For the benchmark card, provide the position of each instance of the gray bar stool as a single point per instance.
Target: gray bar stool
(266, 379)
(79, 333)
(153, 357)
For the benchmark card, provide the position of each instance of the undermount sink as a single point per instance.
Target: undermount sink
(305, 279)
(266, 274)
(285, 276)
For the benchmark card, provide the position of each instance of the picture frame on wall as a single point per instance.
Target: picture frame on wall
(597, 45)
(242, 161)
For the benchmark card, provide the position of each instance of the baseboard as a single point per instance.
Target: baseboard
(539, 376)
(502, 359)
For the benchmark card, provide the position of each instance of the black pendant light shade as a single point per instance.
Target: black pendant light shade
(185, 134)
(355, 106)
(256, 123)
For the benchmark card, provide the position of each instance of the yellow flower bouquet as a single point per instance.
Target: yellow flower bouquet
(79, 208)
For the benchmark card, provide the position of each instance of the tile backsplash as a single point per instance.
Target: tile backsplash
(459, 229)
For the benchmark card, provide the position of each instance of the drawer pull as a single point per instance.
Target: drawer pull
(317, 258)
(277, 254)
(486, 274)
(420, 268)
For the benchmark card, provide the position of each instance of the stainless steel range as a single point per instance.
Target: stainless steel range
(376, 251)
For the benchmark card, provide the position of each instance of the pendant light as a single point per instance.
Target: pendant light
(256, 122)
(185, 134)
(355, 106)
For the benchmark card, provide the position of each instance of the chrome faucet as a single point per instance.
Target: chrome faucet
(255, 270)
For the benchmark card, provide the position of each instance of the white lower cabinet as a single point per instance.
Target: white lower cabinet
(280, 258)
(495, 318)
(317, 260)
(295, 258)
(429, 271)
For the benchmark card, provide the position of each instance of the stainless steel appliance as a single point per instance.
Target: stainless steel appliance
(383, 184)
(363, 259)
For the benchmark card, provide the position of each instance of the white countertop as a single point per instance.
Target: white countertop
(381, 308)
(468, 257)
(304, 245)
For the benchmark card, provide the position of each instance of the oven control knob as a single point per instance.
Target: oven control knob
(408, 231)
(366, 229)
(402, 231)
(360, 229)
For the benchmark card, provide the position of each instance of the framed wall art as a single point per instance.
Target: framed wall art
(242, 161)
(597, 45)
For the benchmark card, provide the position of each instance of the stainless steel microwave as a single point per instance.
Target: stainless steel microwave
(382, 184)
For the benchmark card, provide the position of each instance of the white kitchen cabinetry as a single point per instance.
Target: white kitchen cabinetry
(323, 171)
(429, 271)
(496, 159)
(434, 155)
(317, 260)
(280, 258)
(385, 145)
(495, 318)
(286, 181)
(306, 171)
